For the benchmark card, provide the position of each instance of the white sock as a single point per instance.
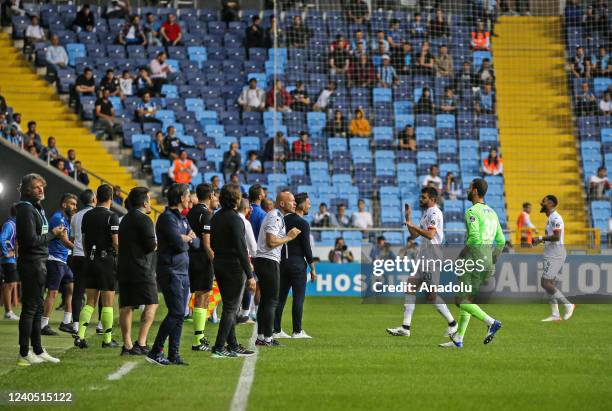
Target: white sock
(44, 322)
(558, 295)
(244, 313)
(260, 336)
(409, 307)
(67, 318)
(568, 306)
(445, 312)
(214, 315)
(141, 307)
(554, 307)
(489, 320)
(75, 326)
(99, 324)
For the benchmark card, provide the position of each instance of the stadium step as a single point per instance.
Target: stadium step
(535, 122)
(36, 100)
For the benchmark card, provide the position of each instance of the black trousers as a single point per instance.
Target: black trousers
(33, 278)
(230, 279)
(268, 275)
(77, 264)
(175, 289)
(292, 276)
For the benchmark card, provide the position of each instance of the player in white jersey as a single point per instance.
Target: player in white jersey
(431, 228)
(554, 258)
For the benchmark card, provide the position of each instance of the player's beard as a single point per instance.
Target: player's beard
(469, 196)
(542, 209)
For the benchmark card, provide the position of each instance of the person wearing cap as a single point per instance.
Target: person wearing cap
(386, 75)
(252, 98)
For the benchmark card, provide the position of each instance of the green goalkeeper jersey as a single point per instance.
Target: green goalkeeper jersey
(483, 233)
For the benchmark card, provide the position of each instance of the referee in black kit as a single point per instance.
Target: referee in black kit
(135, 271)
(232, 269)
(298, 253)
(174, 239)
(33, 237)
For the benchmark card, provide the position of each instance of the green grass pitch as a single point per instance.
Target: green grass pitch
(351, 363)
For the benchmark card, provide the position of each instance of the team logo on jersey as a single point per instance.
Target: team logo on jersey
(432, 222)
(472, 219)
(557, 225)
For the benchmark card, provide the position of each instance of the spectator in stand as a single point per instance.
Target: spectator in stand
(60, 164)
(215, 184)
(232, 161)
(50, 152)
(117, 196)
(126, 83)
(386, 76)
(452, 189)
(16, 123)
(448, 103)
(182, 169)
(573, 13)
(467, 79)
(601, 62)
(382, 250)
(253, 165)
(69, 161)
(276, 148)
(325, 97)
(299, 98)
(105, 116)
(145, 112)
(132, 33)
(11, 8)
(33, 136)
(151, 28)
(278, 98)
(492, 165)
(111, 84)
(443, 64)
(252, 98)
(340, 253)
(81, 175)
(600, 8)
(323, 217)
(359, 39)
(586, 103)
(486, 74)
(34, 33)
(230, 10)
(481, 39)
(342, 219)
(170, 31)
(485, 100)
(144, 84)
(605, 104)
(395, 36)
(433, 179)
(3, 106)
(298, 34)
(85, 20)
(173, 144)
(406, 59)
(360, 126)
(117, 9)
(336, 126)
(590, 24)
(361, 73)
(525, 227)
(425, 104)
(56, 57)
(438, 26)
(424, 63)
(274, 32)
(161, 72)
(301, 147)
(14, 136)
(579, 63)
(362, 218)
(380, 44)
(339, 57)
(255, 36)
(357, 11)
(417, 27)
(85, 85)
(407, 139)
(599, 185)
(157, 149)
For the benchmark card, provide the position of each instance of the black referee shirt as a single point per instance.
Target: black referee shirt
(98, 226)
(199, 219)
(227, 238)
(300, 246)
(136, 248)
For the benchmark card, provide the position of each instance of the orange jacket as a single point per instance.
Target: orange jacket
(182, 171)
(481, 40)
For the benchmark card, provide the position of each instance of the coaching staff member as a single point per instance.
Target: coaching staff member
(135, 271)
(77, 260)
(33, 238)
(174, 238)
(298, 253)
(232, 269)
(100, 229)
(271, 238)
(200, 261)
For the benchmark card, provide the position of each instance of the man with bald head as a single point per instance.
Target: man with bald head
(272, 236)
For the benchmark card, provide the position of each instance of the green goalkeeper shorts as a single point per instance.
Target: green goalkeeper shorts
(471, 282)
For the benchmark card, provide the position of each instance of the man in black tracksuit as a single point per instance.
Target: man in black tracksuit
(294, 258)
(174, 239)
(33, 239)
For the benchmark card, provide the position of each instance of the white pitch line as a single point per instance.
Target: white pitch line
(247, 375)
(123, 370)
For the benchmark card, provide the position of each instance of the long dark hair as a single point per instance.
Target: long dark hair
(492, 160)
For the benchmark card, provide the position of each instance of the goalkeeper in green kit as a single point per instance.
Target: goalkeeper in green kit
(485, 241)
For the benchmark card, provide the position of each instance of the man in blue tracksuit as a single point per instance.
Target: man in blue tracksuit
(8, 259)
(174, 239)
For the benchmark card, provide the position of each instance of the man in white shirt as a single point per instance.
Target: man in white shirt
(34, 32)
(323, 101)
(56, 57)
(272, 236)
(161, 72)
(554, 258)
(252, 98)
(431, 228)
(433, 178)
(599, 184)
(362, 218)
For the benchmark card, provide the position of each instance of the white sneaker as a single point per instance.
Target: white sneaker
(11, 316)
(451, 330)
(281, 334)
(301, 334)
(45, 357)
(32, 358)
(399, 332)
(551, 318)
(449, 344)
(569, 311)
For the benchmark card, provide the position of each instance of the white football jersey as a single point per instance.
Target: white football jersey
(555, 249)
(432, 217)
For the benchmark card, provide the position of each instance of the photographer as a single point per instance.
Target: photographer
(340, 254)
